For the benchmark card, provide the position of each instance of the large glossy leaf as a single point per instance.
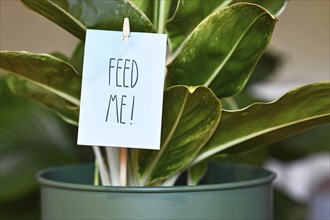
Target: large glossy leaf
(66, 110)
(60, 56)
(265, 123)
(190, 116)
(77, 16)
(145, 6)
(187, 16)
(77, 58)
(45, 70)
(274, 7)
(31, 139)
(223, 50)
(157, 11)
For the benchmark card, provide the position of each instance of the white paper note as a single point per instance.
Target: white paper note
(122, 90)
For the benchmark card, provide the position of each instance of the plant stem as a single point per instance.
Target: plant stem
(132, 172)
(161, 17)
(103, 170)
(113, 164)
(96, 174)
(123, 166)
(170, 181)
(156, 12)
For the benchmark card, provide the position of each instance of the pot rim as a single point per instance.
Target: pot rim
(44, 181)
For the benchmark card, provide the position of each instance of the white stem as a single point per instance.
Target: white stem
(170, 181)
(113, 164)
(123, 166)
(190, 181)
(103, 170)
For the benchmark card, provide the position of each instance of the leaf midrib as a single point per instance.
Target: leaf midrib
(63, 95)
(82, 26)
(165, 144)
(53, 90)
(250, 136)
(179, 47)
(222, 64)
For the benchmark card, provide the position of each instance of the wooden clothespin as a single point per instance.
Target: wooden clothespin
(126, 30)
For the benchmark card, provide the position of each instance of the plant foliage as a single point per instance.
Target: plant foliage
(214, 47)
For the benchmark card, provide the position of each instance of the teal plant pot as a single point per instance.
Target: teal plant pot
(229, 191)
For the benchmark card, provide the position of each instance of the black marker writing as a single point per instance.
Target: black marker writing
(132, 111)
(118, 106)
(124, 74)
(122, 104)
(111, 100)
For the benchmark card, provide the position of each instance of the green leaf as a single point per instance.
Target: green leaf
(197, 172)
(77, 16)
(31, 139)
(190, 116)
(66, 110)
(313, 141)
(47, 71)
(257, 157)
(265, 123)
(77, 58)
(267, 66)
(60, 56)
(163, 14)
(187, 16)
(274, 7)
(146, 6)
(223, 50)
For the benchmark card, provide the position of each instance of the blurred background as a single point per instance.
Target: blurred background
(298, 54)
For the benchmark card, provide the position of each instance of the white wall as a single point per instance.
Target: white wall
(301, 36)
(23, 29)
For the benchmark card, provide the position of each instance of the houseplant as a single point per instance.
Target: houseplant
(231, 51)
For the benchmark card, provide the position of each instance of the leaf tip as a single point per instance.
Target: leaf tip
(191, 89)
